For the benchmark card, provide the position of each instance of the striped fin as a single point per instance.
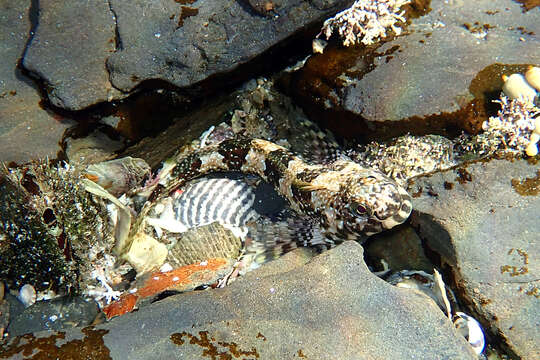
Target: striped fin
(271, 238)
(220, 200)
(314, 145)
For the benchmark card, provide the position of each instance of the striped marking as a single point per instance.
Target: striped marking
(209, 200)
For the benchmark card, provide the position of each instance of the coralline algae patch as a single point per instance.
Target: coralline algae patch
(159, 281)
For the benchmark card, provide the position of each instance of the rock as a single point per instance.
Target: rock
(482, 220)
(331, 305)
(68, 52)
(93, 148)
(173, 42)
(185, 128)
(22, 120)
(57, 314)
(440, 75)
(400, 248)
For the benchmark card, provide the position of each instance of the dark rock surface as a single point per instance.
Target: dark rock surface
(400, 248)
(488, 233)
(331, 307)
(181, 43)
(68, 52)
(26, 130)
(442, 72)
(54, 314)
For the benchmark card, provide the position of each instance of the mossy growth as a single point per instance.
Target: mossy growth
(29, 254)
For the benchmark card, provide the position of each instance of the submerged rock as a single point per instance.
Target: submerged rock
(424, 80)
(481, 219)
(68, 52)
(27, 131)
(331, 305)
(57, 314)
(179, 43)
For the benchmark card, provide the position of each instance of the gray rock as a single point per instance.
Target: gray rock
(442, 72)
(181, 43)
(57, 314)
(488, 233)
(26, 130)
(69, 50)
(401, 249)
(330, 307)
(184, 45)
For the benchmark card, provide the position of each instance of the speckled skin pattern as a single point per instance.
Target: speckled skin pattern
(348, 200)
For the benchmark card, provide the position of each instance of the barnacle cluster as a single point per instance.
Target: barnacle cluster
(407, 156)
(365, 21)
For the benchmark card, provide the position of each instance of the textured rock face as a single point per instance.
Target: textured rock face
(488, 233)
(68, 52)
(331, 305)
(78, 48)
(293, 307)
(22, 120)
(442, 72)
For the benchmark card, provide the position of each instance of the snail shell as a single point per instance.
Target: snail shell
(533, 77)
(516, 87)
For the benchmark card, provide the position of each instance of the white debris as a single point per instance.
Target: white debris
(165, 268)
(365, 21)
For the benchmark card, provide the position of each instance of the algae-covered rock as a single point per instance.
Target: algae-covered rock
(53, 232)
(29, 253)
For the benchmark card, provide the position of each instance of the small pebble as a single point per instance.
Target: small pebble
(27, 295)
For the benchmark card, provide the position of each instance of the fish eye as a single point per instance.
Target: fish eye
(359, 209)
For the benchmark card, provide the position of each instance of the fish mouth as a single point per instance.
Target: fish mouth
(402, 213)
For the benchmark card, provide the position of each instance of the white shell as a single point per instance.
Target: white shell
(318, 45)
(27, 295)
(516, 87)
(532, 149)
(533, 77)
(471, 329)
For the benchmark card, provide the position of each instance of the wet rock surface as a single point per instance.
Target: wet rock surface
(485, 226)
(68, 52)
(441, 74)
(289, 308)
(179, 43)
(325, 305)
(54, 314)
(22, 120)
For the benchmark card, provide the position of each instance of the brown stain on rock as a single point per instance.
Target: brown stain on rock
(527, 5)
(186, 12)
(210, 348)
(463, 176)
(527, 187)
(91, 346)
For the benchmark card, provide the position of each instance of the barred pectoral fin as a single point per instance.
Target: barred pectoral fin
(271, 238)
